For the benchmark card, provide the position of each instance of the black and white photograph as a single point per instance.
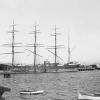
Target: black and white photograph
(49, 49)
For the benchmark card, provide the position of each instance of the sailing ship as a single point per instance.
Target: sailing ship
(70, 66)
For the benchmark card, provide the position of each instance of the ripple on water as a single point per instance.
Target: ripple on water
(58, 86)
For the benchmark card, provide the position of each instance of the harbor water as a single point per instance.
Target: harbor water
(56, 86)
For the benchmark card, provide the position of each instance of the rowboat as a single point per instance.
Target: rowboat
(31, 92)
(83, 96)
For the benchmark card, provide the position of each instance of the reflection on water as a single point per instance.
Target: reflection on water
(57, 86)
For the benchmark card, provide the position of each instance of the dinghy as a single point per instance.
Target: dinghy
(82, 96)
(31, 92)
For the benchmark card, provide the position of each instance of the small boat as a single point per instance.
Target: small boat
(83, 96)
(25, 92)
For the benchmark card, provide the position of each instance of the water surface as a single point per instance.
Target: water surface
(57, 86)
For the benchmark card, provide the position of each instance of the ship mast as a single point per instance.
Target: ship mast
(55, 47)
(35, 41)
(13, 45)
(55, 35)
(13, 31)
(69, 48)
(35, 45)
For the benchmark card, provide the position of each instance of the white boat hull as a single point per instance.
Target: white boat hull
(31, 92)
(87, 97)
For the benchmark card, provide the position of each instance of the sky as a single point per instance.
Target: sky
(79, 18)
